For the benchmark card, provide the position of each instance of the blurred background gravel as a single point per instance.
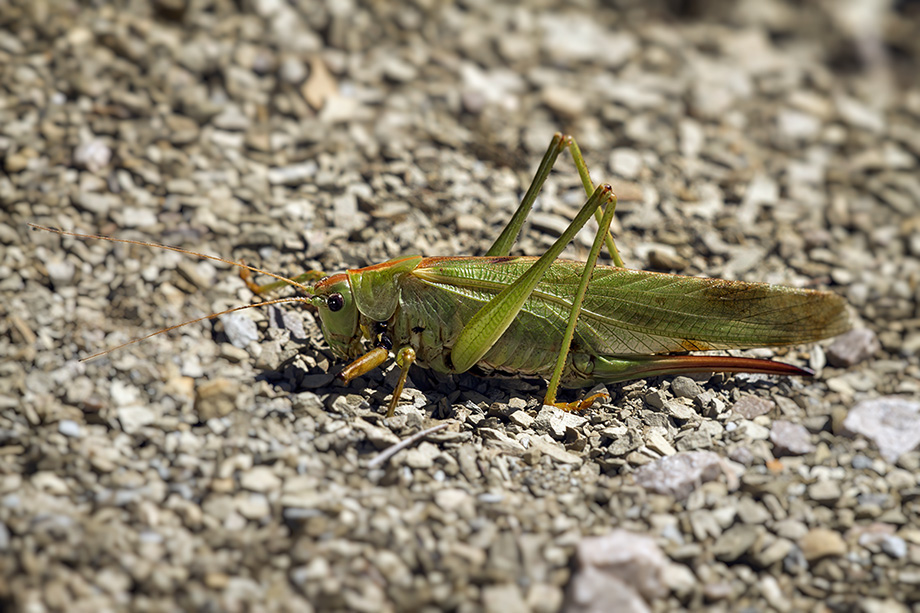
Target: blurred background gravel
(220, 467)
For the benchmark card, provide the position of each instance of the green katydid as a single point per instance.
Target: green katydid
(575, 323)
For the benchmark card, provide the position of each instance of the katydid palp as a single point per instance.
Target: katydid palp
(575, 323)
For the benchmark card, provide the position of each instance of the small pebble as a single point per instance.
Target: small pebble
(627, 163)
(135, 417)
(215, 399)
(685, 387)
(631, 565)
(750, 407)
(93, 155)
(240, 329)
(735, 542)
(61, 272)
(503, 598)
(294, 174)
(260, 479)
(69, 427)
(853, 347)
(894, 546)
(521, 418)
(825, 492)
(678, 475)
(821, 543)
(790, 439)
(892, 422)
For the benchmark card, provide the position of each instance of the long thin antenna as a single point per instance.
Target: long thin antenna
(205, 256)
(307, 289)
(192, 321)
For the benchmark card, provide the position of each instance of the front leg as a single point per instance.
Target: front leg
(364, 364)
(405, 358)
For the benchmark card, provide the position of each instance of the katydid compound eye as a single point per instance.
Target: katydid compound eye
(335, 302)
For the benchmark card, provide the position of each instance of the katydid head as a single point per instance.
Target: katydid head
(338, 315)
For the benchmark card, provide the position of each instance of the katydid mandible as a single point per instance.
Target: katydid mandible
(576, 323)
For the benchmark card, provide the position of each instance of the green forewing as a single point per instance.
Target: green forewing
(637, 312)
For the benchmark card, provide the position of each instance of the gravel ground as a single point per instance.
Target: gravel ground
(221, 467)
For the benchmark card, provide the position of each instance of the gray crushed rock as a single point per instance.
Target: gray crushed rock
(621, 570)
(223, 467)
(240, 330)
(678, 475)
(853, 347)
(790, 439)
(750, 407)
(820, 543)
(891, 422)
